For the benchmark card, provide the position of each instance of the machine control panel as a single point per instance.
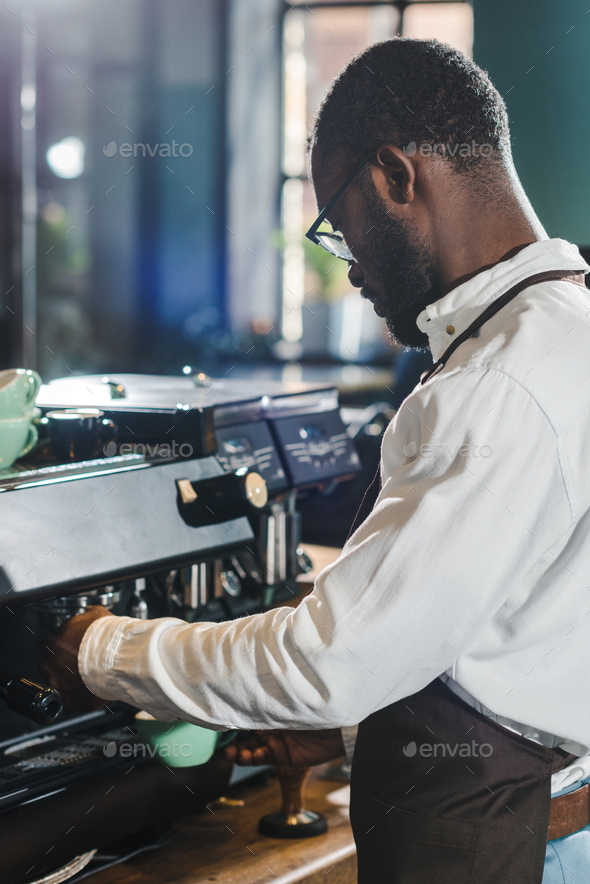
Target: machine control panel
(251, 445)
(316, 447)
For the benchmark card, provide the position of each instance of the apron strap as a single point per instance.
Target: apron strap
(574, 276)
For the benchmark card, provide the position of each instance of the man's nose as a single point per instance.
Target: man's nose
(355, 275)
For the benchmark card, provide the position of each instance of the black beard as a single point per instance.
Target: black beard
(402, 268)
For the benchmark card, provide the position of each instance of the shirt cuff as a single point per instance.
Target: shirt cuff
(349, 735)
(96, 656)
(115, 667)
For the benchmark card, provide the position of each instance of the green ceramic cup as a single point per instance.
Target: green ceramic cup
(179, 743)
(18, 391)
(17, 437)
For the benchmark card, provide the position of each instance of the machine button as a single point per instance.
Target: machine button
(186, 490)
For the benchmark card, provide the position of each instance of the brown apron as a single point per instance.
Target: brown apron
(440, 794)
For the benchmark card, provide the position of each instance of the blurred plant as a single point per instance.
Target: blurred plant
(60, 257)
(331, 273)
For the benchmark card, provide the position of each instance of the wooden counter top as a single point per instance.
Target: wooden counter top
(223, 845)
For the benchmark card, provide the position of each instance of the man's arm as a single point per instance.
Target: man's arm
(448, 540)
(59, 665)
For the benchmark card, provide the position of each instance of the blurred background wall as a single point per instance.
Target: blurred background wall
(107, 246)
(153, 178)
(536, 52)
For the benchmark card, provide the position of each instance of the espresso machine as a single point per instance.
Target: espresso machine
(187, 509)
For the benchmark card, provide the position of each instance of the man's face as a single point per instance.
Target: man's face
(393, 266)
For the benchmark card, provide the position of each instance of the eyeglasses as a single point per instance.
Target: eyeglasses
(334, 242)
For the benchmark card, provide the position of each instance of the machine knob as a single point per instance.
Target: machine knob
(230, 582)
(33, 700)
(221, 498)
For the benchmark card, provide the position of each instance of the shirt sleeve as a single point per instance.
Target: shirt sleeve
(473, 494)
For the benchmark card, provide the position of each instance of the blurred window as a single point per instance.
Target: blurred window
(322, 315)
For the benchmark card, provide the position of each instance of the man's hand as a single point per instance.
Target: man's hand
(59, 666)
(282, 747)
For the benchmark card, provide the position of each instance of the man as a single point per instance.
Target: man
(453, 626)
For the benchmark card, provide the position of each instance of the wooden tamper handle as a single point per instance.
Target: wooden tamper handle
(293, 820)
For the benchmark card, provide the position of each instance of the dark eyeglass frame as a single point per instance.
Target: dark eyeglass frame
(312, 233)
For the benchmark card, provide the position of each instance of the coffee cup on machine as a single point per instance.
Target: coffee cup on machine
(78, 434)
(17, 437)
(18, 391)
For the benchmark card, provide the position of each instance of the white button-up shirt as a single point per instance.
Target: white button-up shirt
(474, 562)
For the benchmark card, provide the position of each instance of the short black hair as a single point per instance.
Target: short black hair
(411, 93)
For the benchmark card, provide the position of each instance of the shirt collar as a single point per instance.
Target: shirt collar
(451, 315)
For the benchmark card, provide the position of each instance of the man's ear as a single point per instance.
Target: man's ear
(394, 174)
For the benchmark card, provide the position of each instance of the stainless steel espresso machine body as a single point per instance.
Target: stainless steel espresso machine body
(190, 512)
